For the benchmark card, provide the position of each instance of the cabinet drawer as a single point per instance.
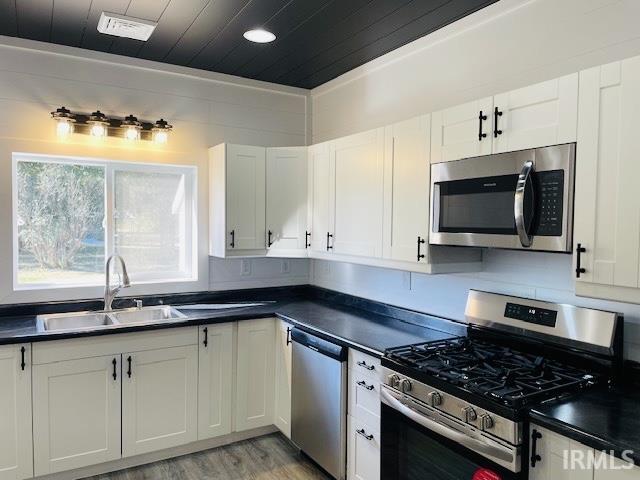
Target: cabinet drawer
(364, 364)
(364, 398)
(363, 455)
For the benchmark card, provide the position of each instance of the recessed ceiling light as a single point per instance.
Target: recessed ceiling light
(259, 36)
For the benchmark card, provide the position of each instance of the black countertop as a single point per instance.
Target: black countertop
(606, 419)
(368, 330)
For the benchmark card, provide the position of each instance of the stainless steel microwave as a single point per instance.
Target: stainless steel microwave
(516, 200)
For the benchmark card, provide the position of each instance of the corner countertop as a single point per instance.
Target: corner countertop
(605, 419)
(353, 327)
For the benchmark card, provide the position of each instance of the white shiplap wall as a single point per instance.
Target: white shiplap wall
(510, 44)
(205, 109)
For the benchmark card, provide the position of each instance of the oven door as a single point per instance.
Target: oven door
(516, 200)
(419, 443)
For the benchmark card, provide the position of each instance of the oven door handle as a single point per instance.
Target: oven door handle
(518, 206)
(463, 439)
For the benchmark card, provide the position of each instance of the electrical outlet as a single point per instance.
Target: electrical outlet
(285, 267)
(245, 267)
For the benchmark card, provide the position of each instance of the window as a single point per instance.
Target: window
(71, 214)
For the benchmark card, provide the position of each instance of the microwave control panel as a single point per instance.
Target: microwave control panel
(550, 207)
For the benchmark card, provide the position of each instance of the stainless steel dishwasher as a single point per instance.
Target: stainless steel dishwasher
(319, 401)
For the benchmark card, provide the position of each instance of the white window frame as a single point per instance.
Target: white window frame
(110, 168)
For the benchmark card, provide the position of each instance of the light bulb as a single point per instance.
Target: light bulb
(259, 36)
(161, 137)
(132, 133)
(98, 130)
(64, 128)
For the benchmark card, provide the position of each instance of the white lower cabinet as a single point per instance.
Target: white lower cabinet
(255, 378)
(363, 451)
(283, 357)
(613, 468)
(554, 452)
(16, 452)
(76, 413)
(215, 380)
(159, 399)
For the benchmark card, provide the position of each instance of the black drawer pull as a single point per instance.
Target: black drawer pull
(269, 241)
(233, 239)
(363, 384)
(205, 342)
(363, 433)
(307, 235)
(329, 236)
(288, 335)
(129, 369)
(496, 114)
(23, 364)
(579, 269)
(421, 241)
(535, 436)
(115, 364)
(363, 364)
(481, 118)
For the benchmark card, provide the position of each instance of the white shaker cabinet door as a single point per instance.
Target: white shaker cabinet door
(76, 413)
(286, 199)
(159, 399)
(320, 196)
(215, 380)
(607, 204)
(536, 116)
(551, 449)
(255, 382)
(282, 412)
(16, 451)
(363, 450)
(357, 173)
(245, 197)
(462, 131)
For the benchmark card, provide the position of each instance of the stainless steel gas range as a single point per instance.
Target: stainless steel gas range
(456, 409)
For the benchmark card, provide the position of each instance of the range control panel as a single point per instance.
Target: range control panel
(539, 316)
(550, 206)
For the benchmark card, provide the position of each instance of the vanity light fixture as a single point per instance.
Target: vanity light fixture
(259, 35)
(99, 125)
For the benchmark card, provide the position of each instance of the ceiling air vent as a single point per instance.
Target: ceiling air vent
(128, 27)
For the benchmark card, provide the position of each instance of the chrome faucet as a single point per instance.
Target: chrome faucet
(110, 293)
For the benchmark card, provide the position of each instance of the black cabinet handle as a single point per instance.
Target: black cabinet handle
(496, 114)
(363, 384)
(233, 239)
(23, 364)
(329, 247)
(115, 373)
(579, 269)
(535, 436)
(363, 433)
(129, 369)
(288, 335)
(269, 235)
(481, 118)
(307, 235)
(421, 241)
(205, 342)
(364, 365)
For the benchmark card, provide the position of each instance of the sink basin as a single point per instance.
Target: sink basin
(74, 321)
(145, 314)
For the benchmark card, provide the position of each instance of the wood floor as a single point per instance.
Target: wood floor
(270, 457)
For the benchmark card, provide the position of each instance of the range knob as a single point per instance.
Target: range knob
(434, 398)
(393, 380)
(486, 422)
(469, 414)
(405, 385)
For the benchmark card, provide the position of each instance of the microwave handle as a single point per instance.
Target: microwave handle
(518, 207)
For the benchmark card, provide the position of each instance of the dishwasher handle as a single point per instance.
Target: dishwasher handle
(319, 345)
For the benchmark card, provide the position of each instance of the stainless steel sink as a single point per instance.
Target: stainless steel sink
(74, 321)
(145, 314)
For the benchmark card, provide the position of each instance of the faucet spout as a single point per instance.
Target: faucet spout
(109, 292)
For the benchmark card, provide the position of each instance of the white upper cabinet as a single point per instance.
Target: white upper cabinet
(357, 173)
(76, 413)
(159, 399)
(536, 116)
(607, 204)
(406, 190)
(215, 380)
(286, 201)
(320, 196)
(16, 452)
(237, 199)
(462, 131)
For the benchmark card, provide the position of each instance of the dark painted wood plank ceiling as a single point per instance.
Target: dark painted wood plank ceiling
(317, 40)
